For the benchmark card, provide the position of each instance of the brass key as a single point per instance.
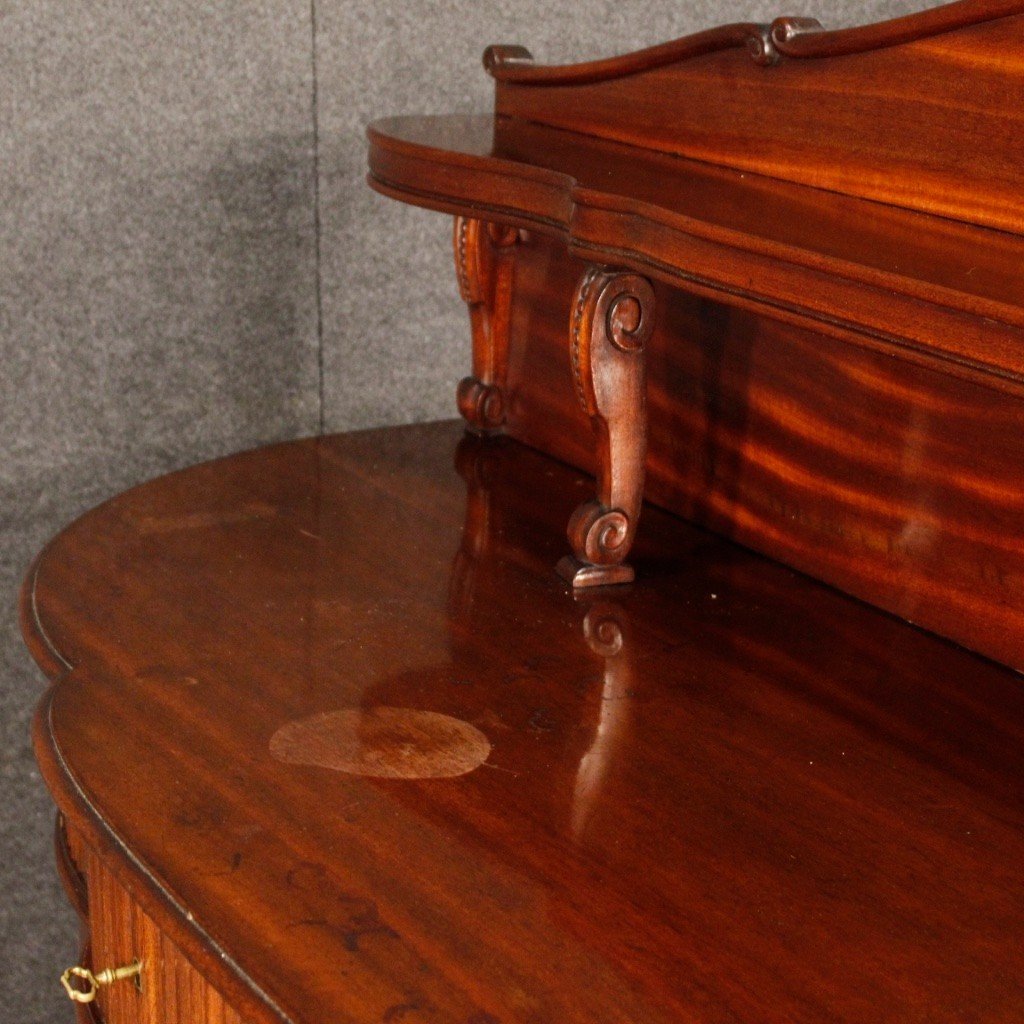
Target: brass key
(95, 981)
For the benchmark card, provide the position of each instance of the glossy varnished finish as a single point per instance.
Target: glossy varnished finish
(832, 222)
(723, 793)
(898, 484)
(918, 287)
(610, 325)
(485, 265)
(169, 988)
(921, 118)
(888, 470)
(766, 45)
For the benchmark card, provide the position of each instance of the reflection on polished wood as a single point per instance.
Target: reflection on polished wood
(723, 793)
(332, 742)
(834, 227)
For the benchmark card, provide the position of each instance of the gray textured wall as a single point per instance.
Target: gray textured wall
(163, 298)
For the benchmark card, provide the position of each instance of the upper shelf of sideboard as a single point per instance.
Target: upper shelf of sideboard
(931, 286)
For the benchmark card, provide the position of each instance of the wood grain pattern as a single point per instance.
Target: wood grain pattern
(727, 793)
(899, 485)
(880, 457)
(765, 44)
(171, 988)
(941, 136)
(921, 288)
(308, 778)
(115, 932)
(842, 261)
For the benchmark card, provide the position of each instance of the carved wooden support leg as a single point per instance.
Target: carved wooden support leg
(612, 318)
(484, 261)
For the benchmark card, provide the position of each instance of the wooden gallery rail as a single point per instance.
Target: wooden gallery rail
(330, 739)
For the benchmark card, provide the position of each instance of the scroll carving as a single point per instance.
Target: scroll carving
(612, 318)
(484, 263)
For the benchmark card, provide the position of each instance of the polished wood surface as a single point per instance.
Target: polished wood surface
(921, 288)
(610, 325)
(896, 483)
(832, 225)
(331, 739)
(922, 113)
(765, 44)
(725, 792)
(485, 266)
(886, 466)
(118, 931)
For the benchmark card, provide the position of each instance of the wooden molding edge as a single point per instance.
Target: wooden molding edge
(68, 871)
(43, 650)
(786, 37)
(587, 220)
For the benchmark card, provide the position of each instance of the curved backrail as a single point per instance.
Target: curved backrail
(514, 64)
(767, 44)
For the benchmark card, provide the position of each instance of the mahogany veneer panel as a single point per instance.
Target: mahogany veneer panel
(854, 411)
(922, 288)
(930, 123)
(974, 267)
(724, 793)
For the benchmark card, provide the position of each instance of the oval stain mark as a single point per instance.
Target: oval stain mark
(383, 743)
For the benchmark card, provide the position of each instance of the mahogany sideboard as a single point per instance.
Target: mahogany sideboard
(679, 682)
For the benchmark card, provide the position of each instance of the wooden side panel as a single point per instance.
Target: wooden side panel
(931, 125)
(172, 991)
(897, 484)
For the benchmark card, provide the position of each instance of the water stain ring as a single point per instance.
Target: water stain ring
(383, 742)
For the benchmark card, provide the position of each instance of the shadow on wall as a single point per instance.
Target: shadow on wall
(263, 249)
(252, 341)
(162, 319)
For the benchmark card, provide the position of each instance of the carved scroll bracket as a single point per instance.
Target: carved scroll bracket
(484, 262)
(612, 319)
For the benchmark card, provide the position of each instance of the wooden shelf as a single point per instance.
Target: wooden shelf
(882, 276)
(355, 779)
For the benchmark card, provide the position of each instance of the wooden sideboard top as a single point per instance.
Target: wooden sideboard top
(326, 710)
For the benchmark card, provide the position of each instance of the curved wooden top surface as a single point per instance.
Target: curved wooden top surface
(335, 721)
(923, 287)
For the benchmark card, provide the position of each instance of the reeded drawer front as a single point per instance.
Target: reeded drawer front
(168, 989)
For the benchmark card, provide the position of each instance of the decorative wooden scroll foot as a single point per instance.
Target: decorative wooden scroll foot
(484, 261)
(612, 318)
